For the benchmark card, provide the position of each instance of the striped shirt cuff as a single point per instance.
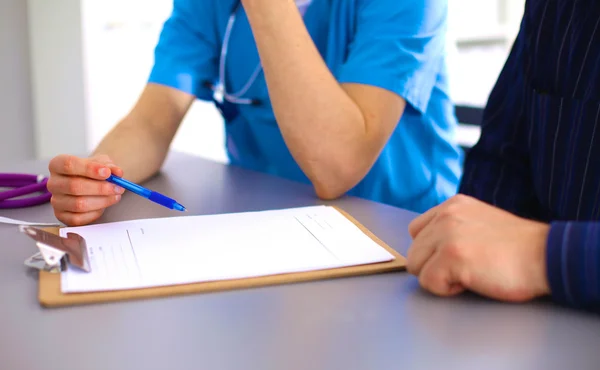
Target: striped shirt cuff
(573, 263)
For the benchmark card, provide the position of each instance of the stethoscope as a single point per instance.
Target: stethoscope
(25, 190)
(220, 90)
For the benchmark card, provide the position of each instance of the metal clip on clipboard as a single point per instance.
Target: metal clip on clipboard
(56, 252)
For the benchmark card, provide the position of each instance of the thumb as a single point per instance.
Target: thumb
(108, 162)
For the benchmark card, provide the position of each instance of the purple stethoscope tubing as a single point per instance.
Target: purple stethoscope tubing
(21, 185)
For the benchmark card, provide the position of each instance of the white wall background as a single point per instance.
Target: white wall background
(120, 36)
(58, 80)
(16, 117)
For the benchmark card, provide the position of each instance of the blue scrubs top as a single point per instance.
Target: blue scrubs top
(398, 45)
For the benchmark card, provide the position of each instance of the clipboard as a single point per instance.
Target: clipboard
(50, 294)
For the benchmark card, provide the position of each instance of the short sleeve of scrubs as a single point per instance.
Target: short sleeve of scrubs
(398, 46)
(186, 55)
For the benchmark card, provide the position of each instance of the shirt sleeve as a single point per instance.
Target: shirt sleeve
(497, 169)
(399, 46)
(573, 264)
(186, 56)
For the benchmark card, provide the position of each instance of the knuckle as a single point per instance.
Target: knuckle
(52, 164)
(90, 169)
(447, 216)
(68, 163)
(51, 184)
(448, 226)
(56, 164)
(427, 282)
(75, 186)
(80, 204)
(453, 250)
(433, 280)
(424, 281)
(455, 208)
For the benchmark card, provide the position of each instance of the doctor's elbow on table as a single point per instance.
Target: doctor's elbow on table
(334, 176)
(332, 190)
(350, 126)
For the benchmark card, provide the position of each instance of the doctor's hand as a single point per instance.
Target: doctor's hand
(79, 193)
(465, 244)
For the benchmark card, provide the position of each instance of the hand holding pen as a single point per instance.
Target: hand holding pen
(146, 193)
(82, 188)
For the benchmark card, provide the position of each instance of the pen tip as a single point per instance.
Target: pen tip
(179, 207)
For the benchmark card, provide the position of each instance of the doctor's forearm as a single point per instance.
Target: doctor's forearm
(140, 143)
(322, 126)
(135, 150)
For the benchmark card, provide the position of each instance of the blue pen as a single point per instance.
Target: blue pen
(146, 193)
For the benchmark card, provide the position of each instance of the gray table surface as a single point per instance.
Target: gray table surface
(376, 322)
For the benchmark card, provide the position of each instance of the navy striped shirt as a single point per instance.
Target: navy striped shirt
(539, 152)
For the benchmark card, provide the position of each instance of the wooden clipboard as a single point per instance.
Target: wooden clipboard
(50, 294)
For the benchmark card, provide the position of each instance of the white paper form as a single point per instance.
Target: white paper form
(191, 249)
